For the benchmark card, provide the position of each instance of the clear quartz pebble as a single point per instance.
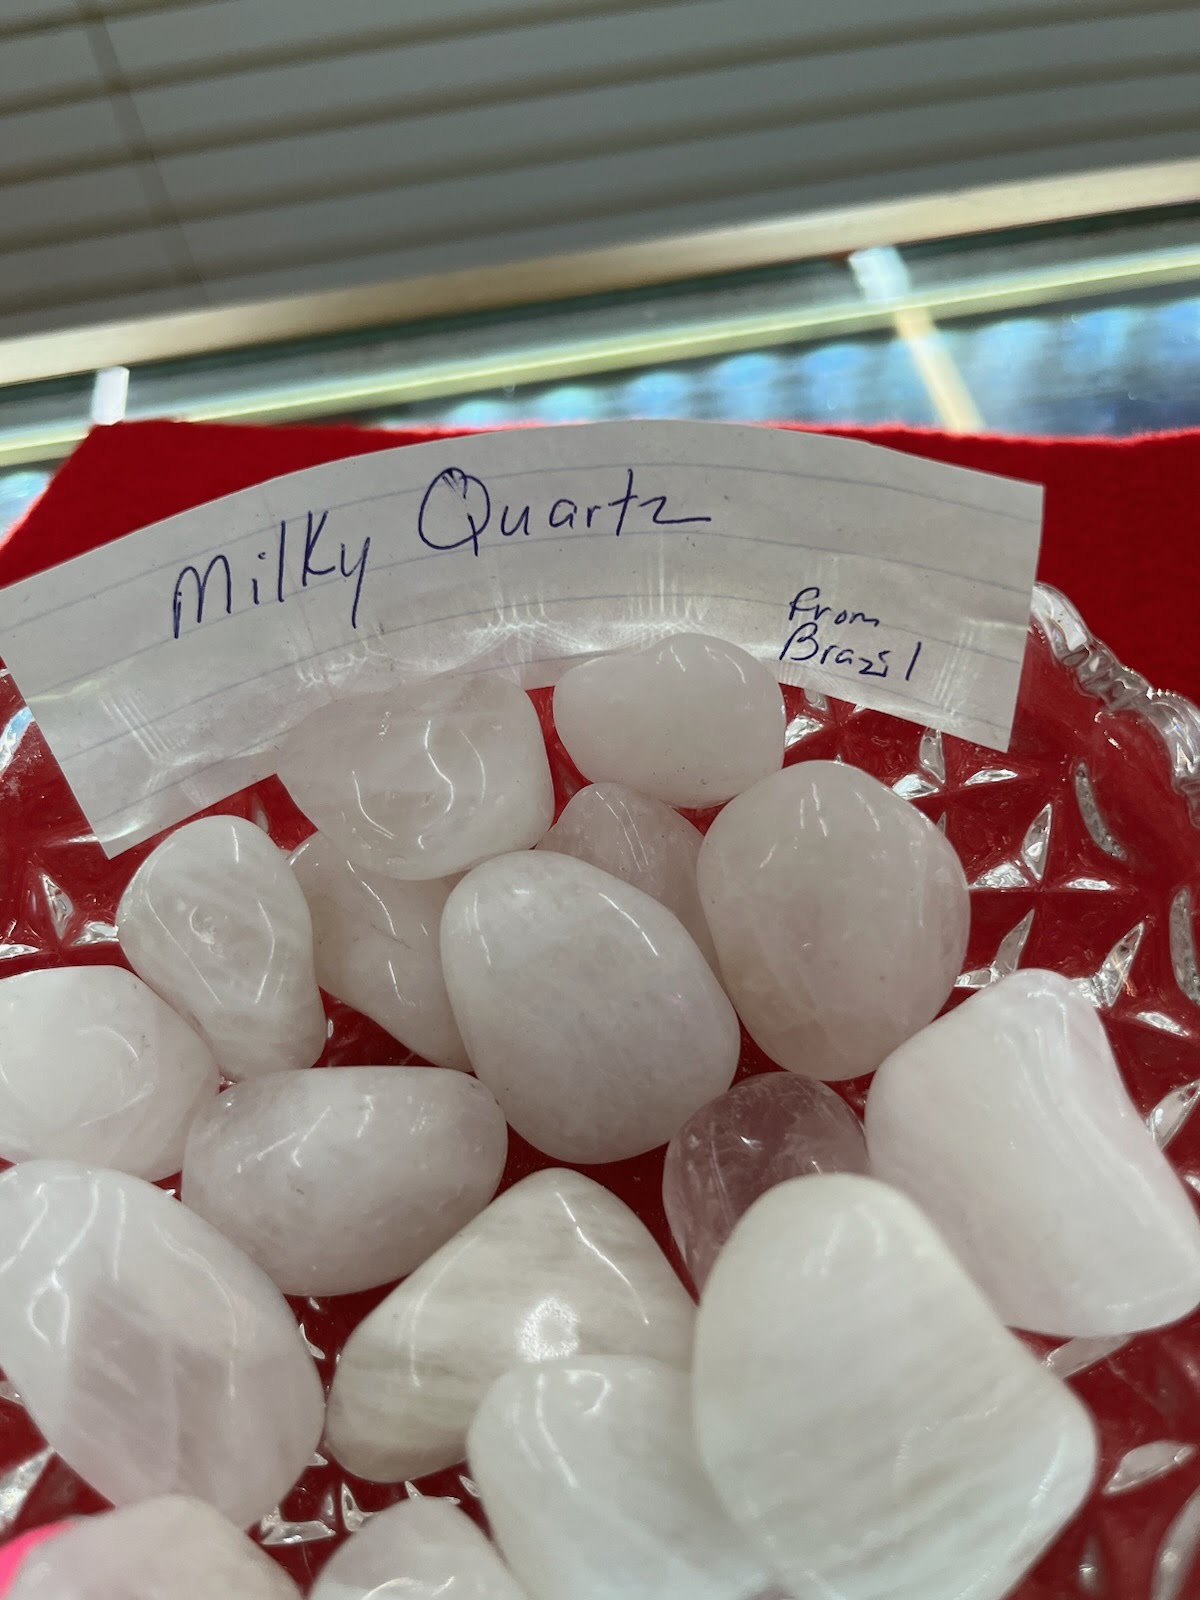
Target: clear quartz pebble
(761, 1132)
(839, 913)
(593, 1488)
(643, 842)
(343, 1178)
(556, 1266)
(690, 720)
(423, 1549)
(170, 1548)
(424, 780)
(1007, 1120)
(585, 1006)
(863, 1414)
(95, 1067)
(215, 922)
(154, 1357)
(375, 942)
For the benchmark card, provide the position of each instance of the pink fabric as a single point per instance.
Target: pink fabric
(12, 1555)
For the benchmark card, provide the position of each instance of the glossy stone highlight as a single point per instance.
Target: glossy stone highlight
(152, 1355)
(95, 1067)
(585, 1006)
(345, 1177)
(423, 1549)
(691, 720)
(426, 779)
(1008, 1122)
(217, 925)
(763, 1131)
(839, 913)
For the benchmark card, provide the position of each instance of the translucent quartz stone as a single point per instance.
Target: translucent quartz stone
(153, 1356)
(426, 779)
(556, 1266)
(1008, 1122)
(593, 1488)
(839, 914)
(375, 941)
(345, 1177)
(585, 1006)
(422, 1549)
(95, 1067)
(172, 1548)
(691, 720)
(761, 1132)
(641, 841)
(215, 922)
(864, 1415)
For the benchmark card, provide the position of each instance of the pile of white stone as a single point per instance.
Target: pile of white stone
(845, 1414)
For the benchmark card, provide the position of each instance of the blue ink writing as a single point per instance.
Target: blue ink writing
(198, 594)
(810, 640)
(457, 510)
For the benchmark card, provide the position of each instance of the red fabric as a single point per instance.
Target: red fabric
(1120, 529)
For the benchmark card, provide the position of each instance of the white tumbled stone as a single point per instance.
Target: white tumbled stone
(690, 720)
(585, 1006)
(343, 1178)
(426, 779)
(375, 942)
(154, 1357)
(170, 1548)
(1008, 1122)
(215, 922)
(593, 1488)
(421, 1549)
(95, 1067)
(863, 1414)
(556, 1266)
(839, 913)
(643, 842)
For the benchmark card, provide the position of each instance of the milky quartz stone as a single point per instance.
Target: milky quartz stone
(641, 841)
(1008, 1122)
(864, 1415)
(761, 1132)
(839, 914)
(424, 780)
(585, 1006)
(95, 1067)
(375, 942)
(593, 1488)
(424, 1549)
(154, 1357)
(556, 1266)
(690, 720)
(345, 1177)
(171, 1548)
(216, 923)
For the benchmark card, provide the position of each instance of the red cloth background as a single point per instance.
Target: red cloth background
(1122, 531)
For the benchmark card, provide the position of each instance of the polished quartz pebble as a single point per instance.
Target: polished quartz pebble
(345, 1177)
(863, 1414)
(423, 1549)
(1007, 1120)
(216, 923)
(593, 1488)
(171, 1548)
(556, 1266)
(375, 941)
(761, 1132)
(839, 914)
(95, 1067)
(643, 842)
(690, 720)
(426, 779)
(152, 1355)
(585, 1006)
